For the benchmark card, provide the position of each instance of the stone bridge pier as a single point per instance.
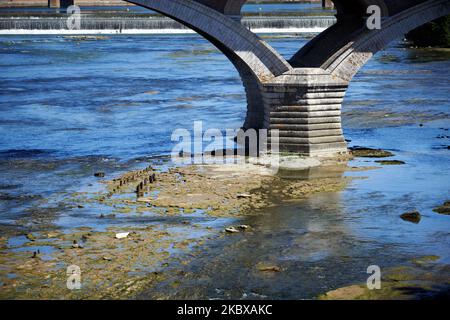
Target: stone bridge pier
(301, 97)
(304, 105)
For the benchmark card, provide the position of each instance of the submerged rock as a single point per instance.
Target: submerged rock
(390, 162)
(425, 259)
(444, 209)
(370, 153)
(99, 174)
(413, 216)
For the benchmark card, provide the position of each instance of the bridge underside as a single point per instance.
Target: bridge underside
(302, 97)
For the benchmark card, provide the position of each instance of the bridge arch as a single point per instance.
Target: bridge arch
(209, 20)
(255, 60)
(345, 47)
(346, 62)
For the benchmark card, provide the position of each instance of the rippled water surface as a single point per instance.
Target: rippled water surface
(71, 107)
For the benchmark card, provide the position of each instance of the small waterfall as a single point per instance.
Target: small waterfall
(154, 24)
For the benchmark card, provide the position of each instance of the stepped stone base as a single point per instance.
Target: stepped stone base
(304, 105)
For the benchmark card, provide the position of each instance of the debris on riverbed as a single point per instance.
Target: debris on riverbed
(444, 209)
(231, 230)
(237, 229)
(413, 216)
(76, 245)
(122, 235)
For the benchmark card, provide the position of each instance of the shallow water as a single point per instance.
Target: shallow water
(69, 108)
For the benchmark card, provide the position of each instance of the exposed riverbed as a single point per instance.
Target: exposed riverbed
(71, 107)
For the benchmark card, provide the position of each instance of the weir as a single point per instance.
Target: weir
(156, 23)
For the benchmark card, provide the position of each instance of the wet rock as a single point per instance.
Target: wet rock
(345, 293)
(390, 162)
(370, 153)
(413, 216)
(52, 234)
(444, 209)
(243, 227)
(265, 268)
(99, 174)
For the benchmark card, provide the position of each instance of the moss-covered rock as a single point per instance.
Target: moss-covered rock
(370, 153)
(444, 209)
(412, 216)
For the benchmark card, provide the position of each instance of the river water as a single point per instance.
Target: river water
(70, 107)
